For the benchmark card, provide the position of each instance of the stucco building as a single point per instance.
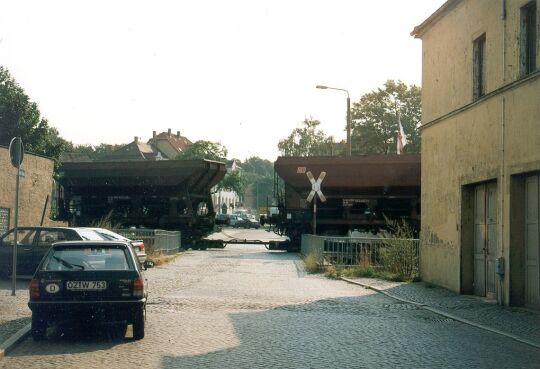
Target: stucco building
(481, 149)
(34, 187)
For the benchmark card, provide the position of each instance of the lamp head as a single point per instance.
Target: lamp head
(321, 87)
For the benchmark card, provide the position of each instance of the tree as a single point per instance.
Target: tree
(258, 166)
(259, 174)
(233, 181)
(307, 140)
(375, 119)
(20, 117)
(96, 152)
(204, 150)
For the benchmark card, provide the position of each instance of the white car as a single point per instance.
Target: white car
(137, 245)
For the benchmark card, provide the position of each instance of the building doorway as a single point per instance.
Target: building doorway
(485, 240)
(532, 241)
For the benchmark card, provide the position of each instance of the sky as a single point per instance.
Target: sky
(239, 72)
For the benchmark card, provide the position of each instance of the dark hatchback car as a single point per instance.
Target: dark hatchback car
(33, 243)
(89, 282)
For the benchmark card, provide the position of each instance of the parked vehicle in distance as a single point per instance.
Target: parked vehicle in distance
(137, 245)
(222, 219)
(33, 243)
(243, 222)
(88, 281)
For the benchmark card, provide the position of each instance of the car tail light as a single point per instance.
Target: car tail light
(138, 287)
(139, 245)
(34, 289)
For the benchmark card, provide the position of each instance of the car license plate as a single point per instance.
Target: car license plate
(86, 285)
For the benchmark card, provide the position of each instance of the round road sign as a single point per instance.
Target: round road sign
(16, 151)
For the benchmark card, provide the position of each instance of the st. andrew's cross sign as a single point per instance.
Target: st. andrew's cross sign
(315, 190)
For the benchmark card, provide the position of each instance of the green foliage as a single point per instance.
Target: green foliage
(20, 117)
(375, 119)
(311, 263)
(400, 254)
(95, 152)
(233, 181)
(204, 150)
(258, 174)
(258, 166)
(307, 140)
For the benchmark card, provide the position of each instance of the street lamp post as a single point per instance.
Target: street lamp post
(348, 114)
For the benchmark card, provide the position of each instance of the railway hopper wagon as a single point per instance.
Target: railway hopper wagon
(168, 194)
(362, 193)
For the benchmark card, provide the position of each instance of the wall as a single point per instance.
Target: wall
(34, 188)
(466, 142)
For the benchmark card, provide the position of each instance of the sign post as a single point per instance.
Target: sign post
(16, 153)
(315, 190)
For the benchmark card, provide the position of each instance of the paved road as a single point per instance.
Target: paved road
(245, 307)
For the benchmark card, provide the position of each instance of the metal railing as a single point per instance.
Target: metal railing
(352, 251)
(155, 240)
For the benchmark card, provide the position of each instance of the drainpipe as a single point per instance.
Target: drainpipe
(500, 295)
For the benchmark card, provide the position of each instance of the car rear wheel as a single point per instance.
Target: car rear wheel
(39, 327)
(138, 325)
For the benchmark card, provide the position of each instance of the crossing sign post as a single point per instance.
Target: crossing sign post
(314, 193)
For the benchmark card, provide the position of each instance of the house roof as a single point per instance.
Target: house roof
(134, 151)
(440, 13)
(178, 142)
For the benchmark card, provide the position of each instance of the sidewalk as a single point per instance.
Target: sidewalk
(515, 321)
(14, 311)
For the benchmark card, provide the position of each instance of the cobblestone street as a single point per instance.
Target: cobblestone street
(245, 307)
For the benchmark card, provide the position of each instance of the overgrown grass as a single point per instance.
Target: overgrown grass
(311, 263)
(162, 259)
(105, 222)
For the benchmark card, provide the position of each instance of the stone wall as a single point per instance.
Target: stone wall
(34, 188)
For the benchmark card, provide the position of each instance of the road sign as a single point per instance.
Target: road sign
(16, 151)
(315, 190)
(316, 186)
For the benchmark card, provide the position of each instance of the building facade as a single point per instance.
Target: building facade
(481, 149)
(34, 188)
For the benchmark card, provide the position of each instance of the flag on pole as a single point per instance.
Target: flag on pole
(401, 138)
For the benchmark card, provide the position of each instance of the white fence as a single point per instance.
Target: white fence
(155, 240)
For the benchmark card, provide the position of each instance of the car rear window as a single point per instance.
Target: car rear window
(88, 259)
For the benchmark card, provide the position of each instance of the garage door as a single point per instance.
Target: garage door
(532, 249)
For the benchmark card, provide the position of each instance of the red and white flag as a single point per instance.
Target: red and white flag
(401, 138)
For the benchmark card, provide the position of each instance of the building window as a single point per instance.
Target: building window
(528, 39)
(479, 67)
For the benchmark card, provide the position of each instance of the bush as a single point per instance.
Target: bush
(311, 263)
(399, 256)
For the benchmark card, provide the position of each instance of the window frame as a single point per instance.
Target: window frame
(528, 38)
(479, 67)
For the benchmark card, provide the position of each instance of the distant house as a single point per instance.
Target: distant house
(225, 202)
(168, 144)
(161, 146)
(481, 149)
(135, 150)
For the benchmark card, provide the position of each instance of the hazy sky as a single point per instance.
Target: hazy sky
(239, 72)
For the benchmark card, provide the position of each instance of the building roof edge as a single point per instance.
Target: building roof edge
(440, 13)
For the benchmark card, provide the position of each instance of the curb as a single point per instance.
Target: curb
(447, 315)
(12, 341)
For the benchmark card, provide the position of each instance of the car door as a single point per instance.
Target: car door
(25, 242)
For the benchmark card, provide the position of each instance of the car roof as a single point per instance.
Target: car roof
(47, 228)
(83, 244)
